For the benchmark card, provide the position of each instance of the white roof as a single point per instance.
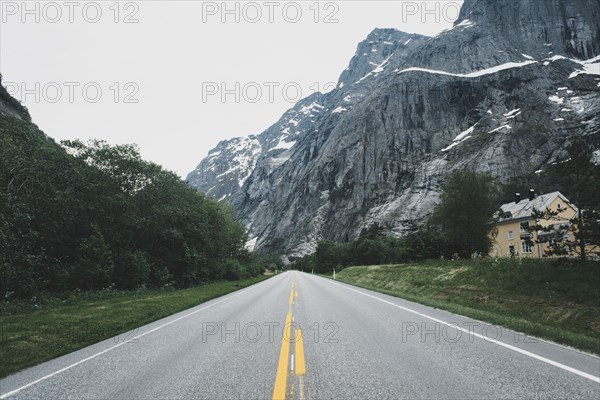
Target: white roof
(524, 208)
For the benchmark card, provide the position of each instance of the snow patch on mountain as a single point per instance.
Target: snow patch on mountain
(475, 74)
(460, 138)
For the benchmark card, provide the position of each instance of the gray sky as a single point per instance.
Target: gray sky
(153, 72)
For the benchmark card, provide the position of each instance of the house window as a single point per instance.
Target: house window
(511, 251)
(511, 236)
(527, 247)
(524, 226)
(559, 207)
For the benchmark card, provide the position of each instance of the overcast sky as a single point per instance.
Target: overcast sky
(153, 72)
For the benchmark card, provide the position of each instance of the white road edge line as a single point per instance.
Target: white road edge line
(12, 392)
(499, 343)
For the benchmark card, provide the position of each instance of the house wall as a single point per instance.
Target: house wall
(502, 242)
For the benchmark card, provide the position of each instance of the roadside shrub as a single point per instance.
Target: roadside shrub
(232, 270)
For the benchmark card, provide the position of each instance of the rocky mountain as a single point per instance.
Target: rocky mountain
(223, 173)
(503, 91)
(489, 33)
(11, 107)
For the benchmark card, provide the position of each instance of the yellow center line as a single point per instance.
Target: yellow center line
(298, 367)
(282, 367)
(299, 352)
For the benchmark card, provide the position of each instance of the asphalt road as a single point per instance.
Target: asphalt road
(340, 342)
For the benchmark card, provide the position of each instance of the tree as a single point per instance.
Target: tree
(578, 178)
(327, 257)
(581, 175)
(465, 215)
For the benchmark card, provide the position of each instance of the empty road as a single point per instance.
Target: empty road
(299, 336)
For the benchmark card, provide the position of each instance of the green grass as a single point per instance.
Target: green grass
(44, 328)
(555, 300)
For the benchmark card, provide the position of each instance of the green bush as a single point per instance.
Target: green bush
(232, 270)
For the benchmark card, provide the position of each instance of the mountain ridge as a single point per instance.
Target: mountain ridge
(416, 114)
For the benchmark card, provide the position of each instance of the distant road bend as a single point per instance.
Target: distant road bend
(299, 336)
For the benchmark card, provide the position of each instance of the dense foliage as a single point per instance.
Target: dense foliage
(91, 216)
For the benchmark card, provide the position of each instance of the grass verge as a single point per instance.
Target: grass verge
(550, 299)
(44, 328)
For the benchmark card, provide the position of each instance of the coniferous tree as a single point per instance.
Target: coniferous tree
(465, 215)
(577, 177)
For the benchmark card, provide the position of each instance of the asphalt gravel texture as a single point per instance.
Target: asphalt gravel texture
(358, 344)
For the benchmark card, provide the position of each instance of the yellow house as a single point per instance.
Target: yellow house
(513, 236)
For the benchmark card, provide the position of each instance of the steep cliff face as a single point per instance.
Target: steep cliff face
(489, 33)
(483, 95)
(223, 173)
(569, 27)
